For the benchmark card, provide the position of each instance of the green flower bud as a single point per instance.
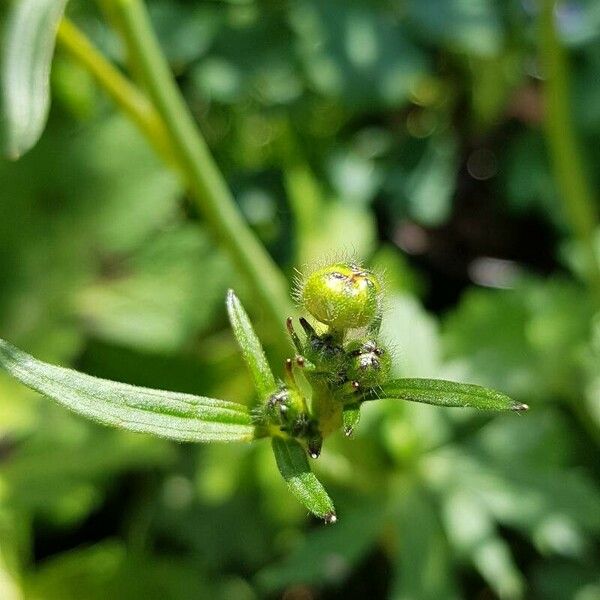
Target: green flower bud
(342, 296)
(370, 364)
(284, 408)
(324, 353)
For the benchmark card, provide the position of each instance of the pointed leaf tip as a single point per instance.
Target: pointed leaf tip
(302, 482)
(252, 350)
(446, 393)
(330, 518)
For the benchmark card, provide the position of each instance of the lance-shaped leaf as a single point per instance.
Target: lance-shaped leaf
(445, 393)
(181, 417)
(27, 39)
(252, 349)
(304, 485)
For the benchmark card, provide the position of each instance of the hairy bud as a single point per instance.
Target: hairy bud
(370, 363)
(342, 296)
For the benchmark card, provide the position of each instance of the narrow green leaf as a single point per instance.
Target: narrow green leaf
(181, 417)
(445, 393)
(293, 466)
(27, 46)
(350, 418)
(252, 349)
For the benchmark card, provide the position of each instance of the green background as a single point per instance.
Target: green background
(408, 134)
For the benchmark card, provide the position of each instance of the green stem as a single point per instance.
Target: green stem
(566, 158)
(208, 187)
(568, 165)
(127, 96)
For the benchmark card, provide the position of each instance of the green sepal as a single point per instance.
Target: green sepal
(252, 349)
(181, 417)
(350, 418)
(303, 483)
(445, 393)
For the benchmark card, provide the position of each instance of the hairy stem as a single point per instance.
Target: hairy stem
(208, 187)
(126, 95)
(564, 150)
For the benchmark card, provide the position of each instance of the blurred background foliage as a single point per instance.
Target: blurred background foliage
(408, 133)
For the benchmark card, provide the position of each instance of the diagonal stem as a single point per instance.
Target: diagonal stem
(165, 120)
(209, 189)
(124, 93)
(569, 172)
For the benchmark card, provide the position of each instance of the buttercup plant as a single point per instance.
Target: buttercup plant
(340, 356)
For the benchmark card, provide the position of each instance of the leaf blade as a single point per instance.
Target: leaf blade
(302, 482)
(252, 349)
(28, 40)
(445, 393)
(176, 416)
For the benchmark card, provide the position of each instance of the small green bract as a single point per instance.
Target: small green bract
(340, 359)
(370, 363)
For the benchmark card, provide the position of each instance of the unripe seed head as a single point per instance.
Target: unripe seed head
(342, 296)
(283, 407)
(370, 364)
(329, 358)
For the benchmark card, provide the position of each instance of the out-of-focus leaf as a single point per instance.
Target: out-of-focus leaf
(10, 555)
(294, 468)
(586, 93)
(57, 472)
(243, 534)
(123, 193)
(355, 176)
(74, 88)
(445, 393)
(108, 569)
(525, 177)
(471, 531)
(398, 274)
(473, 27)
(326, 227)
(357, 55)
(158, 298)
(185, 31)
(533, 340)
(556, 580)
(340, 229)
(520, 471)
(423, 567)
(176, 416)
(83, 210)
(413, 336)
(558, 509)
(493, 79)
(252, 349)
(250, 59)
(27, 40)
(429, 187)
(578, 23)
(326, 556)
